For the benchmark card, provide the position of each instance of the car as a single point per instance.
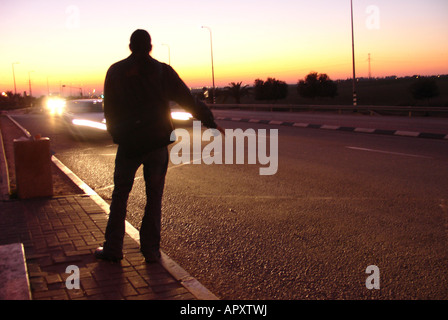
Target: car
(85, 117)
(54, 105)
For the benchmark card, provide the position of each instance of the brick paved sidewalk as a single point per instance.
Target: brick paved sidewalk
(64, 231)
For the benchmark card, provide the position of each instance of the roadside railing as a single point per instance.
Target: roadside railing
(340, 108)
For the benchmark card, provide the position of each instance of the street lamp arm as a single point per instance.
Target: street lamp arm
(65, 86)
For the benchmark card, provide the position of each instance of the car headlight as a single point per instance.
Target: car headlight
(56, 105)
(180, 115)
(88, 123)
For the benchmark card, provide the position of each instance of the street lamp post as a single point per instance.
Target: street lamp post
(14, 76)
(353, 57)
(29, 81)
(213, 70)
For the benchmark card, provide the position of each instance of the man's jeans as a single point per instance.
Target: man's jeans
(155, 166)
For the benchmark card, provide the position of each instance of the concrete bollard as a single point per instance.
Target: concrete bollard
(32, 160)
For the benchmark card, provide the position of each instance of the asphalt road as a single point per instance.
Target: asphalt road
(339, 202)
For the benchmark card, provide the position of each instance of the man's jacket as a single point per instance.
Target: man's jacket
(137, 92)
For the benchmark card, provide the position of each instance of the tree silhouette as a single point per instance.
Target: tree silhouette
(317, 85)
(237, 91)
(424, 89)
(10, 100)
(271, 89)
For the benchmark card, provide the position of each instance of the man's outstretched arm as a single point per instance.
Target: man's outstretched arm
(180, 93)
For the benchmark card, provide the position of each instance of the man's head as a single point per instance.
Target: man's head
(140, 41)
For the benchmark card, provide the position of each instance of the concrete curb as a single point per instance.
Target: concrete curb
(185, 279)
(426, 135)
(5, 188)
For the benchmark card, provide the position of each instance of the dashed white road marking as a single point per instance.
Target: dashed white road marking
(389, 152)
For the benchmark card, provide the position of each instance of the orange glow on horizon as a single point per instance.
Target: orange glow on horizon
(74, 45)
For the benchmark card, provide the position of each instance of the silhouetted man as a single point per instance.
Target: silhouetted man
(137, 92)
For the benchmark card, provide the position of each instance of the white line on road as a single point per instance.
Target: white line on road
(389, 152)
(302, 125)
(365, 130)
(407, 133)
(329, 127)
(191, 161)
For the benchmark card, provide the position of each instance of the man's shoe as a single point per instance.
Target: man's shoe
(152, 258)
(99, 254)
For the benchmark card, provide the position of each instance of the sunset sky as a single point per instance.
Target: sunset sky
(74, 42)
